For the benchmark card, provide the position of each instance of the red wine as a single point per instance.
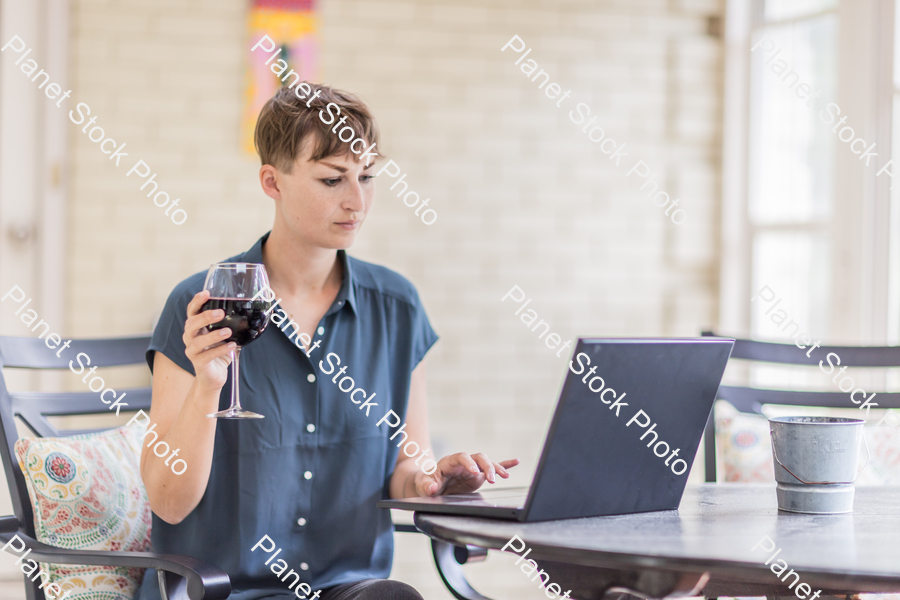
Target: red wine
(246, 318)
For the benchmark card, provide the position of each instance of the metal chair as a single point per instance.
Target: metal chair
(750, 400)
(181, 577)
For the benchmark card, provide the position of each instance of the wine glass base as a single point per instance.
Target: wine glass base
(233, 413)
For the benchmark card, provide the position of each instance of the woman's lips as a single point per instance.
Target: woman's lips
(348, 225)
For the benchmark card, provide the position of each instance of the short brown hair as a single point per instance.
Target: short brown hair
(285, 122)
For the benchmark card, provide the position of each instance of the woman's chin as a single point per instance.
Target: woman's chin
(341, 240)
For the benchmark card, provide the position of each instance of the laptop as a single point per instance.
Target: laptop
(623, 437)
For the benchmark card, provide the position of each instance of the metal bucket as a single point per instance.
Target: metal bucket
(815, 462)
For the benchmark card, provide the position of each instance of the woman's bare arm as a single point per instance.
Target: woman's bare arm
(180, 403)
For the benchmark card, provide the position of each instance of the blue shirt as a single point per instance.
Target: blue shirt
(308, 475)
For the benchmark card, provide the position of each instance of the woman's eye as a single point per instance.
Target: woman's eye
(366, 178)
(332, 182)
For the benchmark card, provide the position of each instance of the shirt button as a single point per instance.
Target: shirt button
(320, 330)
(304, 567)
(311, 378)
(307, 475)
(310, 428)
(301, 521)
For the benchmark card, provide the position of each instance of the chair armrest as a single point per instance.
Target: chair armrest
(451, 572)
(448, 559)
(201, 581)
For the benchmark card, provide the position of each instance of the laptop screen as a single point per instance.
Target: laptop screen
(627, 426)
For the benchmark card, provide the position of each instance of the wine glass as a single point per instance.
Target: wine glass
(240, 289)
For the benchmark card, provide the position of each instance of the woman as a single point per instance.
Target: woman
(305, 478)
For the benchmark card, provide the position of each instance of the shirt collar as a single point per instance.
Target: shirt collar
(346, 295)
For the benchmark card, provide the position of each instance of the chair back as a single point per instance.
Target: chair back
(750, 400)
(33, 408)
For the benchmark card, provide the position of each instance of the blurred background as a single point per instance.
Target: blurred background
(523, 197)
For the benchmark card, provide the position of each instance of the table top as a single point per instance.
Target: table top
(714, 530)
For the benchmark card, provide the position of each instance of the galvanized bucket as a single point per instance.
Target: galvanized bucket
(815, 462)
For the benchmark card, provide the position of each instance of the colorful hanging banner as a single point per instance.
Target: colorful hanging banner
(293, 25)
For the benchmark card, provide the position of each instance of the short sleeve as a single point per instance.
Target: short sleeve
(167, 337)
(423, 335)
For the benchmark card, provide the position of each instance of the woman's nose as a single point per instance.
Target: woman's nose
(356, 200)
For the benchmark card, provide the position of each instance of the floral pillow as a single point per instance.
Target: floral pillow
(87, 494)
(884, 465)
(744, 445)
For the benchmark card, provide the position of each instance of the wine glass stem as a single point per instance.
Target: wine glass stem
(235, 376)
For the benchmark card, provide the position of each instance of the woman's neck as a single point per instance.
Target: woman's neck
(298, 270)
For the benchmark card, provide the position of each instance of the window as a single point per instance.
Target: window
(791, 156)
(802, 214)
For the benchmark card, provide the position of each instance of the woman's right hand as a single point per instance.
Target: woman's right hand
(206, 351)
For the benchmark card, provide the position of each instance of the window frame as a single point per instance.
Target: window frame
(865, 275)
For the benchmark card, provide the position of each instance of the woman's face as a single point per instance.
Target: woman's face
(322, 202)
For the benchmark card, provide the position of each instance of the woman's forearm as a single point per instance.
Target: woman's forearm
(403, 480)
(172, 497)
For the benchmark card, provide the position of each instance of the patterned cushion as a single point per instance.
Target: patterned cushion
(87, 494)
(745, 447)
(884, 466)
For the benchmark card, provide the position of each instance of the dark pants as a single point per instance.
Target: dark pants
(372, 589)
(367, 589)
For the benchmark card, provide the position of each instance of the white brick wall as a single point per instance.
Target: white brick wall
(522, 196)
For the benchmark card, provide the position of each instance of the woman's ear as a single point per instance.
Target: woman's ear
(268, 179)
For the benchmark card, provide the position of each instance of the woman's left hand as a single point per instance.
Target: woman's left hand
(460, 473)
